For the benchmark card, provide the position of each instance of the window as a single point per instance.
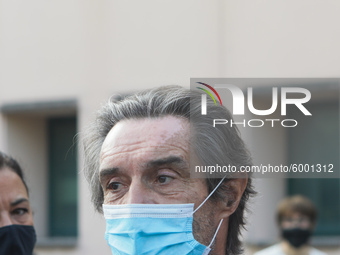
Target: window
(62, 177)
(41, 135)
(316, 141)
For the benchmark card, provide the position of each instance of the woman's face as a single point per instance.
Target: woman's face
(296, 220)
(14, 204)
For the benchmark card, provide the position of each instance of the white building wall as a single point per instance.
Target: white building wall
(283, 38)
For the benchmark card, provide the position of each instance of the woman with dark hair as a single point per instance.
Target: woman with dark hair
(17, 234)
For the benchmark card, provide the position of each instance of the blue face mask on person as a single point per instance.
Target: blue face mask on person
(153, 229)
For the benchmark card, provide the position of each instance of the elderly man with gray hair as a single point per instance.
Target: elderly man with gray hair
(137, 160)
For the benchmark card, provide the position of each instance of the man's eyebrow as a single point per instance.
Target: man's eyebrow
(19, 201)
(167, 161)
(107, 172)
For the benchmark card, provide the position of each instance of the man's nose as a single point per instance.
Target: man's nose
(140, 193)
(5, 219)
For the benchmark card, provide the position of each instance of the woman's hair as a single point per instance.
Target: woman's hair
(10, 163)
(296, 204)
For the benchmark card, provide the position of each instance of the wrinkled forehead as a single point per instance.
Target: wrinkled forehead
(167, 130)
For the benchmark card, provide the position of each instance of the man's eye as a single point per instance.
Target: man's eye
(114, 186)
(20, 211)
(163, 179)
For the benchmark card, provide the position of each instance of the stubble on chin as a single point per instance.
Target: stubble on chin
(204, 224)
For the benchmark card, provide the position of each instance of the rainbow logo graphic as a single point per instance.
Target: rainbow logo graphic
(209, 93)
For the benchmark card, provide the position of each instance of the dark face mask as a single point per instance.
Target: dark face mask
(296, 236)
(17, 239)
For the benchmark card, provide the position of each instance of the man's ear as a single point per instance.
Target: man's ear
(232, 191)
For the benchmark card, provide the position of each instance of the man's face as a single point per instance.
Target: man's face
(146, 161)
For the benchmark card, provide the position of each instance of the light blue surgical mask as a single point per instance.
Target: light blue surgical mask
(147, 229)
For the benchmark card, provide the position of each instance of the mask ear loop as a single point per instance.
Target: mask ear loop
(218, 228)
(209, 195)
(219, 225)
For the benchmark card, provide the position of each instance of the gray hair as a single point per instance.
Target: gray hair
(221, 144)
